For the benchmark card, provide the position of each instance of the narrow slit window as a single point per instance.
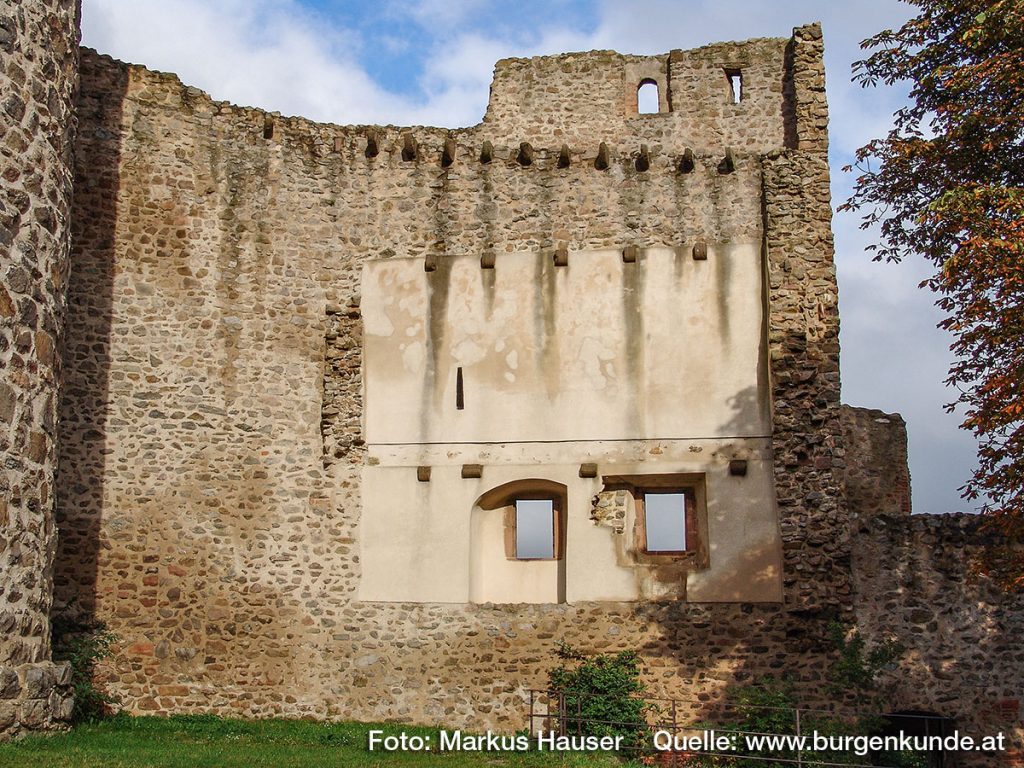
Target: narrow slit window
(665, 522)
(535, 529)
(647, 98)
(735, 77)
(460, 391)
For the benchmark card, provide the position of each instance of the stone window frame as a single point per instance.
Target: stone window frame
(691, 484)
(653, 69)
(657, 92)
(689, 520)
(558, 525)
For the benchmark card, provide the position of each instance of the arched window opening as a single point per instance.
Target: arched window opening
(647, 101)
(517, 549)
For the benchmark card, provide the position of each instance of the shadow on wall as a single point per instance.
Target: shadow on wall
(84, 407)
(750, 413)
(706, 651)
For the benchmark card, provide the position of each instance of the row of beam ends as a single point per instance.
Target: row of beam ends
(737, 468)
(526, 154)
(560, 256)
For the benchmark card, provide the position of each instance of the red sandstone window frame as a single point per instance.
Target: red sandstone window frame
(690, 534)
(693, 485)
(557, 527)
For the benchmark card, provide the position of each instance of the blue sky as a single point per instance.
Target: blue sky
(429, 62)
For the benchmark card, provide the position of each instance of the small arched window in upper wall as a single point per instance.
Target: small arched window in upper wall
(647, 102)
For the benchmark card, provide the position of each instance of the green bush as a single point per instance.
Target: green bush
(857, 668)
(84, 646)
(768, 707)
(602, 695)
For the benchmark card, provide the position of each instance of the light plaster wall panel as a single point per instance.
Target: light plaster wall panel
(496, 578)
(600, 349)
(415, 536)
(745, 548)
(417, 543)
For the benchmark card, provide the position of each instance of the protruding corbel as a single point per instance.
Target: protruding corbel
(448, 153)
(408, 147)
(486, 152)
(686, 162)
(372, 144)
(700, 251)
(601, 163)
(487, 261)
(630, 254)
(562, 256)
(588, 470)
(470, 471)
(563, 157)
(430, 262)
(738, 467)
(423, 474)
(643, 160)
(728, 164)
(525, 156)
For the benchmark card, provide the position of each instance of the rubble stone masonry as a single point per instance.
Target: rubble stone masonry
(38, 79)
(211, 461)
(211, 441)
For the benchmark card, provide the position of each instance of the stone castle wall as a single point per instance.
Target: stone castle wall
(964, 657)
(914, 580)
(210, 473)
(38, 79)
(211, 445)
(877, 475)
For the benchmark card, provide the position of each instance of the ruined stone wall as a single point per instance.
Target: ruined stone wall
(876, 474)
(215, 350)
(914, 580)
(964, 654)
(38, 77)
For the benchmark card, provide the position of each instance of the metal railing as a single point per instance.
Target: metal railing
(570, 714)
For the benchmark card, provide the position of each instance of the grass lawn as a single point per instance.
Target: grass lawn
(212, 742)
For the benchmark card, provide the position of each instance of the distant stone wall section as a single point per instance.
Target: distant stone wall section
(964, 659)
(876, 473)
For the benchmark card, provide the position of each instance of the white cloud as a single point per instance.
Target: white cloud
(273, 55)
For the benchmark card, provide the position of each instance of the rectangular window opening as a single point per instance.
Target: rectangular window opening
(535, 529)
(460, 392)
(665, 522)
(735, 85)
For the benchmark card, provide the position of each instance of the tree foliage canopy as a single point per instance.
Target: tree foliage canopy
(947, 183)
